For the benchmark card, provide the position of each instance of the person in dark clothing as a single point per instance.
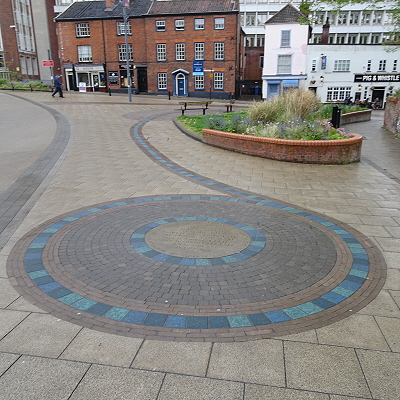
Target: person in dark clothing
(57, 86)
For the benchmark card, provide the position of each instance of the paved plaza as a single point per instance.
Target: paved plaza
(138, 263)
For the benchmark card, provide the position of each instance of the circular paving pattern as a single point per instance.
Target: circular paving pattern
(198, 268)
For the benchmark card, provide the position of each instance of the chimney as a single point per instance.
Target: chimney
(325, 32)
(110, 4)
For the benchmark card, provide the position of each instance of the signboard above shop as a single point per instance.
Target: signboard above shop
(48, 63)
(369, 78)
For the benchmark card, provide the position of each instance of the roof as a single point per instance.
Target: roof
(191, 6)
(96, 10)
(84, 10)
(287, 15)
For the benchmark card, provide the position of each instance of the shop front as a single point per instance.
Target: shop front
(90, 77)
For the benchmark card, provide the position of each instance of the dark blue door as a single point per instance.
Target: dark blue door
(181, 86)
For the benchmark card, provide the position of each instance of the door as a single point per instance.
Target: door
(181, 84)
(142, 79)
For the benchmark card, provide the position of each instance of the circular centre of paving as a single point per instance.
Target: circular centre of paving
(197, 239)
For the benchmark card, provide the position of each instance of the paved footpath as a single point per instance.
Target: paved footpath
(137, 263)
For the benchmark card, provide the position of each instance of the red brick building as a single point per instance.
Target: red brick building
(185, 47)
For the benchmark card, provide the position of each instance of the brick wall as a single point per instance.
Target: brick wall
(104, 42)
(392, 115)
(301, 151)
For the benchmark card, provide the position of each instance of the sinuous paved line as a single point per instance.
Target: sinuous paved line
(354, 287)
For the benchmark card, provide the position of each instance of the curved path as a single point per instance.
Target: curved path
(296, 270)
(147, 235)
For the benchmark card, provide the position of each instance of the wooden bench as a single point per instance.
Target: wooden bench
(194, 105)
(230, 105)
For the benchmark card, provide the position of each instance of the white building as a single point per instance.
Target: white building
(285, 52)
(346, 55)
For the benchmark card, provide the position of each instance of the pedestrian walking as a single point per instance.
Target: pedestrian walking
(57, 86)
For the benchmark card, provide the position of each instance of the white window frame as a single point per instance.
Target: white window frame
(180, 24)
(84, 53)
(338, 93)
(394, 66)
(313, 65)
(199, 50)
(285, 38)
(82, 29)
(160, 25)
(354, 18)
(369, 65)
(162, 81)
(219, 50)
(198, 24)
(199, 82)
(180, 52)
(122, 52)
(250, 19)
(219, 23)
(382, 66)
(121, 28)
(161, 49)
(284, 64)
(341, 65)
(218, 80)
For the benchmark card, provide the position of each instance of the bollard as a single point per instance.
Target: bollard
(169, 94)
(109, 90)
(336, 116)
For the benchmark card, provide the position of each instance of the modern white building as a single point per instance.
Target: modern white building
(346, 54)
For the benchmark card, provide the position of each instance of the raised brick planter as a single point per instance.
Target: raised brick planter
(302, 151)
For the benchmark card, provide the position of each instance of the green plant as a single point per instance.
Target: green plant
(3, 81)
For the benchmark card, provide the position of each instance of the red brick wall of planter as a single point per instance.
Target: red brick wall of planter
(302, 151)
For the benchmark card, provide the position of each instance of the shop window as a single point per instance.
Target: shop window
(338, 93)
(85, 53)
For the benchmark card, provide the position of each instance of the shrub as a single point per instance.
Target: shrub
(292, 104)
(3, 81)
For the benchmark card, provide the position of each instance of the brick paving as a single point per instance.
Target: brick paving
(346, 216)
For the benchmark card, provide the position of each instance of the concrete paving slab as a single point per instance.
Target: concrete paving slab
(35, 378)
(9, 320)
(392, 259)
(393, 279)
(382, 305)
(252, 362)
(3, 262)
(395, 294)
(308, 336)
(259, 392)
(326, 369)
(21, 304)
(358, 331)
(41, 335)
(390, 328)
(178, 387)
(115, 383)
(8, 293)
(181, 358)
(102, 348)
(382, 371)
(6, 360)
